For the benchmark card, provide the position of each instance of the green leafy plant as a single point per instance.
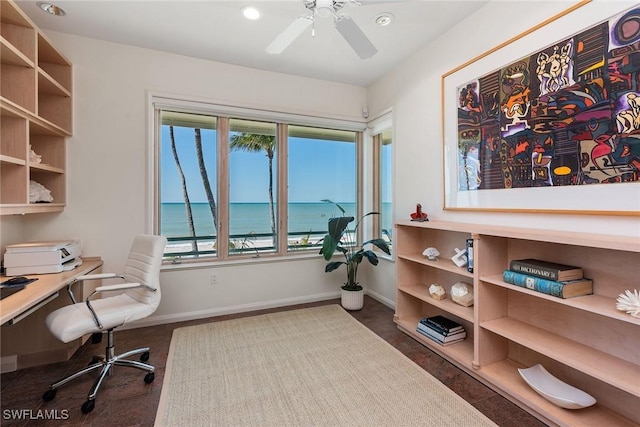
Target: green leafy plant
(340, 238)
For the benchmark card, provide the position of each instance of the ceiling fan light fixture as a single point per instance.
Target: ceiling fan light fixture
(51, 9)
(324, 11)
(324, 8)
(251, 13)
(383, 19)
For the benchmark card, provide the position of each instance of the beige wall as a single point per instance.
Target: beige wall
(413, 90)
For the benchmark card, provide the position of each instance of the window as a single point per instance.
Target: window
(252, 187)
(386, 186)
(188, 169)
(234, 183)
(322, 166)
(383, 177)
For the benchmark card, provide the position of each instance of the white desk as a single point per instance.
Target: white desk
(25, 339)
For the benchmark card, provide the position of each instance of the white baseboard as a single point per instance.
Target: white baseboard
(202, 314)
(384, 300)
(8, 363)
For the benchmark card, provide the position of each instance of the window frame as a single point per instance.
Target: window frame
(376, 127)
(160, 102)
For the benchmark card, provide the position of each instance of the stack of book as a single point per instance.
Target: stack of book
(442, 330)
(559, 280)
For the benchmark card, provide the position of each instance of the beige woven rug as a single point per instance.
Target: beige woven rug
(311, 367)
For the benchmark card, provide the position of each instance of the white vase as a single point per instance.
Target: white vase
(352, 300)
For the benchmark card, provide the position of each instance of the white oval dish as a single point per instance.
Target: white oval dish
(554, 390)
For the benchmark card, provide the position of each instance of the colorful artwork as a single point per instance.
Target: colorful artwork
(566, 115)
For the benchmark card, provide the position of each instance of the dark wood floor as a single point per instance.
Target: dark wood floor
(125, 400)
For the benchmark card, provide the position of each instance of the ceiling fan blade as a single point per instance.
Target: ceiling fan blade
(286, 37)
(355, 37)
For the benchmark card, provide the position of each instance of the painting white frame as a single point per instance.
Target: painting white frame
(621, 199)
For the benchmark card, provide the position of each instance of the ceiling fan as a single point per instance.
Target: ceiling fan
(343, 23)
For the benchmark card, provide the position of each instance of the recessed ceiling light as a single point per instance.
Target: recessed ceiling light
(51, 9)
(251, 13)
(384, 19)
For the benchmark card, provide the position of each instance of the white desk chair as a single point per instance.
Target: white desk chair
(140, 298)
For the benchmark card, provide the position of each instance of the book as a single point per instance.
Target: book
(440, 337)
(441, 330)
(566, 289)
(443, 324)
(470, 255)
(546, 269)
(437, 340)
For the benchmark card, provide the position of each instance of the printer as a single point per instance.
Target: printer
(42, 257)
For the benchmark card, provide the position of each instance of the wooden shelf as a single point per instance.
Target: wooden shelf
(30, 208)
(620, 373)
(36, 110)
(461, 352)
(504, 375)
(46, 84)
(442, 264)
(598, 304)
(12, 160)
(422, 293)
(45, 168)
(11, 55)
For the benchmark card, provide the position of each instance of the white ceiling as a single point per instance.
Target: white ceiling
(216, 30)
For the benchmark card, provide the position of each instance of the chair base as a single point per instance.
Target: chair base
(105, 364)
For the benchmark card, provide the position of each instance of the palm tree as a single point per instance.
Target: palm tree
(187, 204)
(255, 143)
(205, 179)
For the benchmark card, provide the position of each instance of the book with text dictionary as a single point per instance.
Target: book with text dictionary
(546, 269)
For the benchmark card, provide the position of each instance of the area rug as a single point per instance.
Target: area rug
(310, 367)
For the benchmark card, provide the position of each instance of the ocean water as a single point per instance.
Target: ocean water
(246, 218)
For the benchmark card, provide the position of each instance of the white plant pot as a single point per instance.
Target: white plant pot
(352, 300)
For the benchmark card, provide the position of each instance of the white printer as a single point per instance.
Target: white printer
(42, 257)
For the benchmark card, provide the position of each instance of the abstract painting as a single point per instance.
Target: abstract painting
(565, 115)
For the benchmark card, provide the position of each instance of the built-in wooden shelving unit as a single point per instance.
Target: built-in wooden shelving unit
(584, 341)
(35, 113)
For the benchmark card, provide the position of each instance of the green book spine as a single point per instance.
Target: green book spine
(549, 287)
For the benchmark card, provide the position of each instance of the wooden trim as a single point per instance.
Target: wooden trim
(282, 141)
(222, 241)
(548, 211)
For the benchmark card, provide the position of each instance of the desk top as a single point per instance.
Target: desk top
(47, 284)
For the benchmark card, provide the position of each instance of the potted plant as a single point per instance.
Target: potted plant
(344, 240)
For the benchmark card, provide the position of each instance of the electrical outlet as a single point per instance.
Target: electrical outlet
(214, 279)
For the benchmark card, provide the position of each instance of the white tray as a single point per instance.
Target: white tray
(554, 390)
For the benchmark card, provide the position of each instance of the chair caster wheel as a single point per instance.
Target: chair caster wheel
(49, 395)
(149, 377)
(144, 356)
(88, 406)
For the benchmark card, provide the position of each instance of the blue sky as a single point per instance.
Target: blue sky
(315, 172)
